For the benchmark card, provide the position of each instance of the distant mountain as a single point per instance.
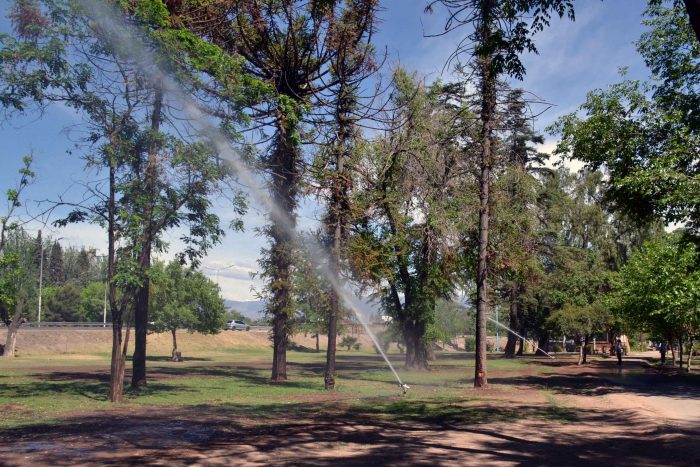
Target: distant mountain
(253, 309)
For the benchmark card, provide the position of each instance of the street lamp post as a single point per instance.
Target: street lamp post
(219, 269)
(498, 337)
(41, 280)
(104, 309)
(104, 304)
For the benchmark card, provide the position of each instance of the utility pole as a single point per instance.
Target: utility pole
(219, 269)
(104, 309)
(41, 279)
(104, 306)
(498, 336)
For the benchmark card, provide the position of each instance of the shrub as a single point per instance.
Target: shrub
(349, 342)
(469, 343)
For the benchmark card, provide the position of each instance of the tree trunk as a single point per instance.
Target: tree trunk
(117, 367)
(318, 338)
(585, 349)
(673, 352)
(12, 329)
(339, 211)
(488, 106)
(521, 341)
(138, 377)
(329, 372)
(680, 352)
(513, 324)
(542, 344)
(581, 352)
(284, 184)
(173, 331)
(417, 354)
(693, 9)
(116, 375)
(280, 340)
(690, 353)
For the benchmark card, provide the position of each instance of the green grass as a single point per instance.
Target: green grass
(43, 390)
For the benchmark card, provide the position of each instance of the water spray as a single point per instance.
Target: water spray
(119, 32)
(518, 335)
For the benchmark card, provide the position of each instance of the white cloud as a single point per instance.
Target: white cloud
(548, 147)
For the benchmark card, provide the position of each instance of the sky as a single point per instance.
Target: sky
(574, 58)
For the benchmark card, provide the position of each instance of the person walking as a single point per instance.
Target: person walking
(618, 350)
(662, 351)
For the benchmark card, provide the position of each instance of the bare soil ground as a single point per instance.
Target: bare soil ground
(566, 415)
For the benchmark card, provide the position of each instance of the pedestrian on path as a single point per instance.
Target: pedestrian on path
(618, 350)
(662, 351)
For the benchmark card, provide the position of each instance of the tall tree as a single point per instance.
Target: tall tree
(184, 299)
(353, 64)
(13, 298)
(646, 134)
(412, 200)
(658, 290)
(57, 274)
(500, 31)
(77, 59)
(516, 247)
(290, 46)
(580, 322)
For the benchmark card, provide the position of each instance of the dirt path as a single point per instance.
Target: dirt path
(572, 416)
(667, 400)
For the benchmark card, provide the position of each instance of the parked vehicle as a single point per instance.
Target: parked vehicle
(237, 325)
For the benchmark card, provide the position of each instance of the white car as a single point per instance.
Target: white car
(237, 325)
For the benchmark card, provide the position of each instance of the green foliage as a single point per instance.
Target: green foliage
(391, 334)
(92, 302)
(10, 274)
(232, 314)
(647, 134)
(412, 201)
(18, 276)
(580, 321)
(451, 320)
(659, 288)
(184, 299)
(349, 342)
(62, 303)
(469, 343)
(502, 30)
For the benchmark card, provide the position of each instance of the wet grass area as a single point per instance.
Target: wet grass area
(218, 407)
(35, 390)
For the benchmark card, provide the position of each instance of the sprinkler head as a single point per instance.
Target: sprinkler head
(404, 387)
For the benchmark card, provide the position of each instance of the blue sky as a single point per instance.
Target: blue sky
(574, 58)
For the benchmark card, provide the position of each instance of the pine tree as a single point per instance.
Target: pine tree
(499, 34)
(57, 275)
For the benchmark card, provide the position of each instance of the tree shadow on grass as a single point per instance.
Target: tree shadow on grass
(165, 358)
(391, 432)
(596, 384)
(252, 375)
(94, 390)
(91, 390)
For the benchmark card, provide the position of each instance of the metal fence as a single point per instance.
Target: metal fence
(86, 325)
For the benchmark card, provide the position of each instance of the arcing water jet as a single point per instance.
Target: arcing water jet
(518, 335)
(120, 33)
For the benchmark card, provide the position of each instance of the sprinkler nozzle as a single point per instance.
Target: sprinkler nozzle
(404, 387)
